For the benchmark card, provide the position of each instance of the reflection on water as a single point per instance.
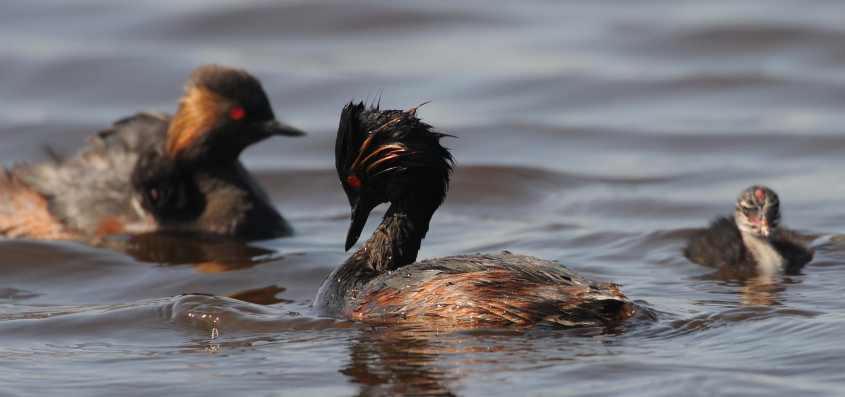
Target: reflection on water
(261, 296)
(385, 363)
(593, 133)
(209, 254)
(761, 290)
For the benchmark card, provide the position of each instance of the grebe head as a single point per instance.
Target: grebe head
(389, 156)
(166, 187)
(223, 111)
(758, 211)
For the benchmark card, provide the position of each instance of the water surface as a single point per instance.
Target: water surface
(594, 133)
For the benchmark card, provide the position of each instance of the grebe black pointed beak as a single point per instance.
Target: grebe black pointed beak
(360, 212)
(274, 127)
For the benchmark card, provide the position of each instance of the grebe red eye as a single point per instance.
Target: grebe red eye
(237, 113)
(353, 181)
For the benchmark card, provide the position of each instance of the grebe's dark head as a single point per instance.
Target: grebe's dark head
(758, 211)
(223, 111)
(389, 156)
(166, 187)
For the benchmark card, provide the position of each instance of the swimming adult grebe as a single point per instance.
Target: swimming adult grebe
(393, 157)
(95, 193)
(751, 240)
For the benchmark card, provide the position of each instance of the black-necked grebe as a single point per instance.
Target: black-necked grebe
(105, 189)
(393, 157)
(752, 240)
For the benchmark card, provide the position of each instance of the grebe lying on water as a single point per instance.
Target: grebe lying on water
(393, 157)
(751, 240)
(95, 193)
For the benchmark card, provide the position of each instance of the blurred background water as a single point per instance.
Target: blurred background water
(594, 133)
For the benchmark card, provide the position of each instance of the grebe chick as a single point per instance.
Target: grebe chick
(94, 193)
(393, 157)
(751, 240)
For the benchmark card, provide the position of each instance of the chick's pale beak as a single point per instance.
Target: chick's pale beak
(274, 127)
(765, 230)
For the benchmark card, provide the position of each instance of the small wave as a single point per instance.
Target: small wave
(745, 38)
(738, 316)
(165, 320)
(305, 19)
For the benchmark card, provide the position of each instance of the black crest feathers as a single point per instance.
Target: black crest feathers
(379, 147)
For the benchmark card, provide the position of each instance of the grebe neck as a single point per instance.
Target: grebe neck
(394, 244)
(769, 260)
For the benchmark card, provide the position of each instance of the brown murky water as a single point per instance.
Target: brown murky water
(594, 133)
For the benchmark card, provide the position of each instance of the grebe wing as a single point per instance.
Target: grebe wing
(490, 290)
(793, 247)
(718, 245)
(93, 185)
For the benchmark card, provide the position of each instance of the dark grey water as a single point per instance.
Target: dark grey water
(594, 133)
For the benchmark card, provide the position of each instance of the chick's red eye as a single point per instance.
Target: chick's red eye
(237, 113)
(353, 181)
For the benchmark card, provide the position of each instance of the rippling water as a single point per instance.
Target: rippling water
(596, 134)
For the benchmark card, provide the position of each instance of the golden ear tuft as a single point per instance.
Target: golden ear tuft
(198, 112)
